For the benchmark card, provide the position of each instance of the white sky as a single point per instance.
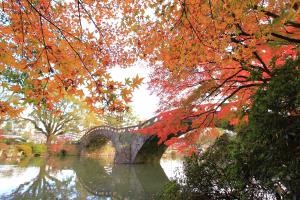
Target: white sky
(144, 104)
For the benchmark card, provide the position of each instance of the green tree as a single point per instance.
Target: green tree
(263, 160)
(274, 132)
(57, 121)
(126, 118)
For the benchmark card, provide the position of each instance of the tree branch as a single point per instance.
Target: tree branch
(262, 62)
(35, 125)
(288, 39)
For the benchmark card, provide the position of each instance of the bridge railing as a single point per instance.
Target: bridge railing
(121, 130)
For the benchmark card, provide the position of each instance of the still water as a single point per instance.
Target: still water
(84, 178)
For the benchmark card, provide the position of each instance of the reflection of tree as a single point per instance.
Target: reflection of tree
(12, 171)
(92, 176)
(8, 172)
(151, 177)
(43, 186)
(121, 181)
(93, 180)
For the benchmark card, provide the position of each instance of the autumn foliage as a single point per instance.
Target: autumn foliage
(63, 147)
(208, 56)
(62, 47)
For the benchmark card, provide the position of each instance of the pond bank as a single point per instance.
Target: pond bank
(15, 151)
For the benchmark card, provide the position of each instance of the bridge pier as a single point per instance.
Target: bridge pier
(123, 155)
(130, 146)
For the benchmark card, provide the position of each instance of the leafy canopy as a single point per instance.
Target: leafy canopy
(62, 48)
(210, 56)
(262, 161)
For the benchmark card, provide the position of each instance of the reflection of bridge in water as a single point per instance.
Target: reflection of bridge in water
(122, 181)
(130, 146)
(84, 178)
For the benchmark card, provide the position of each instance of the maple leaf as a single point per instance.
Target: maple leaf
(136, 82)
(126, 95)
(15, 88)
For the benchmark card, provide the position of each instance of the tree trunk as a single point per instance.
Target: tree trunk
(48, 144)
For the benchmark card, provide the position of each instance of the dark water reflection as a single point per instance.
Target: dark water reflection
(79, 178)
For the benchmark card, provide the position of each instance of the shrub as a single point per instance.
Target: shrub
(70, 150)
(3, 146)
(1, 137)
(263, 160)
(170, 191)
(11, 141)
(215, 174)
(63, 150)
(39, 149)
(25, 148)
(56, 149)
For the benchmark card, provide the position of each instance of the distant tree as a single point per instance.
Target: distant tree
(126, 118)
(7, 127)
(57, 121)
(88, 117)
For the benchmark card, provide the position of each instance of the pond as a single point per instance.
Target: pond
(83, 178)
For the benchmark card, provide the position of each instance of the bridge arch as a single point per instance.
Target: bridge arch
(126, 143)
(130, 146)
(101, 131)
(150, 151)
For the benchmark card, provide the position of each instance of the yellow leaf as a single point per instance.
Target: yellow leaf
(15, 88)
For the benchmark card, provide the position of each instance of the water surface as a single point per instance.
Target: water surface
(83, 178)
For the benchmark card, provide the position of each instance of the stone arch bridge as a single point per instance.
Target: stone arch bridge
(130, 147)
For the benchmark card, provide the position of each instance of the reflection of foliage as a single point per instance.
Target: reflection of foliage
(131, 181)
(93, 180)
(92, 175)
(43, 186)
(8, 172)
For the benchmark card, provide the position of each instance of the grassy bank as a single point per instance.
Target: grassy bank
(11, 150)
